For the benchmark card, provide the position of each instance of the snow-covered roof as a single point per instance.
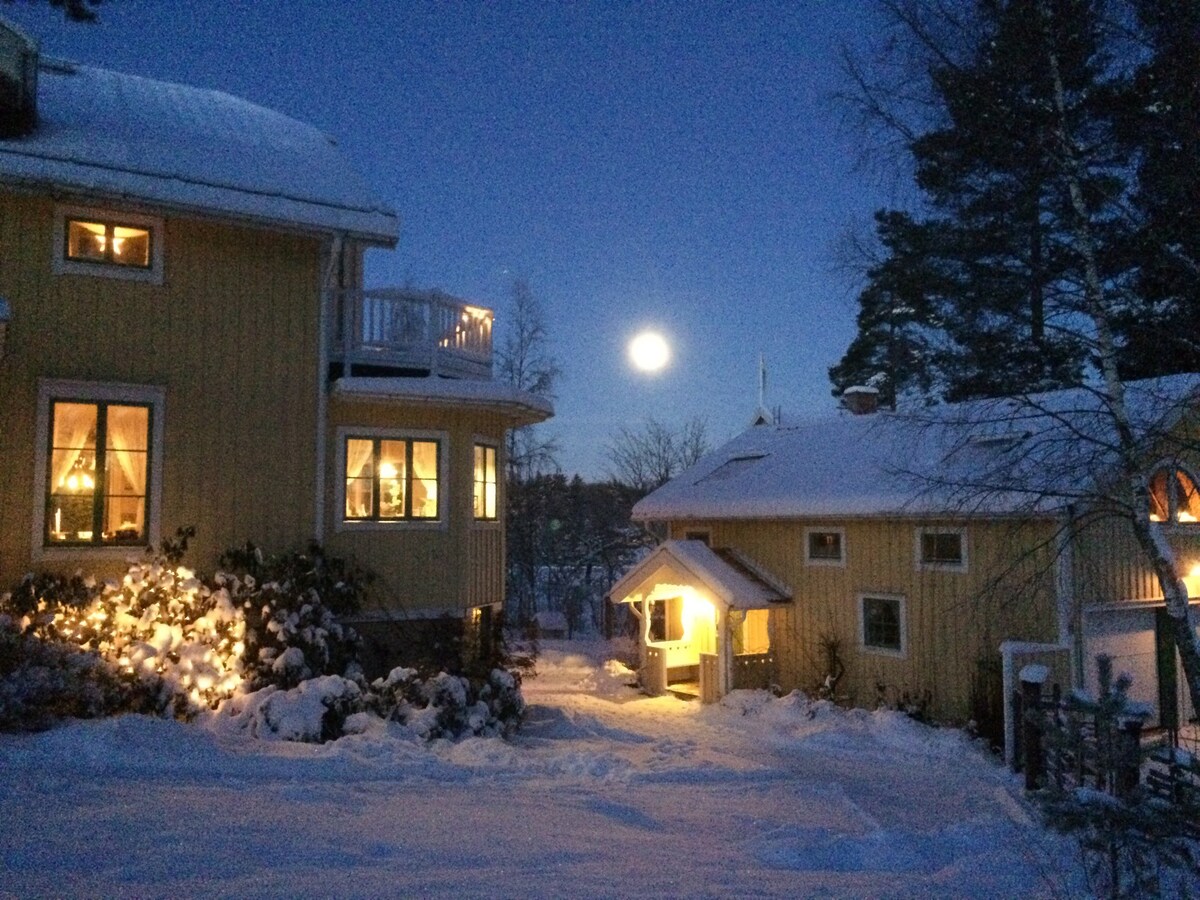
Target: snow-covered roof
(116, 136)
(522, 407)
(732, 579)
(1028, 455)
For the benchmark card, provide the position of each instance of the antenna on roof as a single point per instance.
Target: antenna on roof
(762, 415)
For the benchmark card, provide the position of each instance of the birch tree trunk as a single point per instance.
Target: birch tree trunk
(1148, 534)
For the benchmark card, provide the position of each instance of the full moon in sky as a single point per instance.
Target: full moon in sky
(649, 351)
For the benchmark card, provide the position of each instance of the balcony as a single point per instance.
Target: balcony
(401, 332)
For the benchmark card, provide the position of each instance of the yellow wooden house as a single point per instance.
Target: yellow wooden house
(920, 560)
(185, 340)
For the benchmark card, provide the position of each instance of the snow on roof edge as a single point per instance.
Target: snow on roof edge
(526, 407)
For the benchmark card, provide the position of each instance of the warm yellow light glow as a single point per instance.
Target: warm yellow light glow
(387, 470)
(649, 351)
(1186, 516)
(696, 610)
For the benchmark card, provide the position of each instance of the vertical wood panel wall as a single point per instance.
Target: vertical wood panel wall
(422, 569)
(954, 620)
(232, 334)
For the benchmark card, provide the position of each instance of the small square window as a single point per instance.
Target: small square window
(883, 625)
(942, 548)
(107, 244)
(825, 546)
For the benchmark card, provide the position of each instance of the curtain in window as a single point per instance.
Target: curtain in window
(74, 427)
(755, 637)
(126, 454)
(358, 454)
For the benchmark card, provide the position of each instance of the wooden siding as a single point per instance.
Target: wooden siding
(231, 333)
(1109, 566)
(955, 621)
(422, 569)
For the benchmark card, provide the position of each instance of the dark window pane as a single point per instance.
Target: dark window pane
(941, 547)
(825, 545)
(881, 623)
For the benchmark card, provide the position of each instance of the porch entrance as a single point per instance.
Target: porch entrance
(681, 645)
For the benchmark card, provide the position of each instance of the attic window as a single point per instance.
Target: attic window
(1174, 497)
(737, 463)
(111, 245)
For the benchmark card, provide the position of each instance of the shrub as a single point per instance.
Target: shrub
(449, 706)
(289, 603)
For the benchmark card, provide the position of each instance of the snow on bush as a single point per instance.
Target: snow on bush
(262, 641)
(449, 706)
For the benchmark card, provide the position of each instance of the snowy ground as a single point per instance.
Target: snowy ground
(604, 793)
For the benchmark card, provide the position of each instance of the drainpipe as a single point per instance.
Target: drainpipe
(332, 271)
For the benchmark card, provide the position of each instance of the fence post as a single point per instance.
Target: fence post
(1129, 755)
(1032, 677)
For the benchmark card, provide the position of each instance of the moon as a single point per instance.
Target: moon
(649, 351)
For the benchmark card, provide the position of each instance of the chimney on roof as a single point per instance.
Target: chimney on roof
(18, 82)
(860, 399)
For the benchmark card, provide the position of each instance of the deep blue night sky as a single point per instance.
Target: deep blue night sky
(676, 165)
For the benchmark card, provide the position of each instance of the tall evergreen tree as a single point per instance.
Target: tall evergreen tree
(1160, 329)
(989, 259)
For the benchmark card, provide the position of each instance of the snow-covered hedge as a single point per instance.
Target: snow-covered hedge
(261, 643)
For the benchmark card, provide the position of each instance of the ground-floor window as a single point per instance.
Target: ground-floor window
(484, 502)
(752, 636)
(100, 458)
(882, 623)
(391, 479)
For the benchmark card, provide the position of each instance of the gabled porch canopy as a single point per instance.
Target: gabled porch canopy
(705, 619)
(723, 576)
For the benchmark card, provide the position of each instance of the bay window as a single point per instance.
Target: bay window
(391, 479)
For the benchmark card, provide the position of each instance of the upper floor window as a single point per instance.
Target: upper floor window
(100, 464)
(391, 479)
(485, 498)
(1174, 497)
(825, 546)
(112, 245)
(942, 548)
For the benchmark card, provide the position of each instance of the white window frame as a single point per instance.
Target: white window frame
(933, 566)
(61, 265)
(902, 601)
(479, 441)
(50, 389)
(441, 523)
(840, 562)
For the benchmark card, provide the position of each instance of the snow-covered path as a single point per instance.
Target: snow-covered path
(605, 793)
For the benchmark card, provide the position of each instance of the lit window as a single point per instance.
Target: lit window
(108, 243)
(391, 480)
(824, 546)
(666, 620)
(882, 618)
(485, 482)
(942, 548)
(1174, 497)
(99, 466)
(111, 245)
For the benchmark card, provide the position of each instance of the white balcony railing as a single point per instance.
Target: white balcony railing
(407, 330)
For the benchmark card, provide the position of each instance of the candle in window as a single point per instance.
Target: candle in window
(58, 521)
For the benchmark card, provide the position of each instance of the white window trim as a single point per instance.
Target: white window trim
(811, 561)
(365, 432)
(902, 653)
(105, 392)
(496, 523)
(60, 265)
(923, 566)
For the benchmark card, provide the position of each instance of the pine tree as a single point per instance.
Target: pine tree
(1161, 130)
(993, 266)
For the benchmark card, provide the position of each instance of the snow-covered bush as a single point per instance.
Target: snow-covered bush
(314, 711)
(158, 639)
(449, 706)
(290, 604)
(42, 681)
